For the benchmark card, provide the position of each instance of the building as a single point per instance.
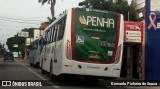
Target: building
(37, 33)
(141, 7)
(152, 30)
(44, 25)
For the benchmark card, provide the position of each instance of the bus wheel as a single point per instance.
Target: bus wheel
(43, 71)
(34, 65)
(31, 64)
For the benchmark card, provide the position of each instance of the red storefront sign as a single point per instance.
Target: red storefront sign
(133, 32)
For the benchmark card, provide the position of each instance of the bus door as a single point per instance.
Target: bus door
(46, 50)
(58, 45)
(47, 57)
(55, 49)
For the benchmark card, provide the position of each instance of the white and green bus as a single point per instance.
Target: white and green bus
(85, 42)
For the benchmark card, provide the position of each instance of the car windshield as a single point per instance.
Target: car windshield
(9, 53)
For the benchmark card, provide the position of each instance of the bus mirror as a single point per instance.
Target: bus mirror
(40, 42)
(44, 42)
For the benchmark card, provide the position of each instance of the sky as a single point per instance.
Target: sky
(16, 15)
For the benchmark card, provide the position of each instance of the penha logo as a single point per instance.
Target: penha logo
(97, 21)
(82, 20)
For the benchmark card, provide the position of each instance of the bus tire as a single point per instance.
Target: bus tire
(43, 71)
(31, 64)
(34, 65)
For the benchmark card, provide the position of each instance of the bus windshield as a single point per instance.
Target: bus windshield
(95, 35)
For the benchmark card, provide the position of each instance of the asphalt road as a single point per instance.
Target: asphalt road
(20, 70)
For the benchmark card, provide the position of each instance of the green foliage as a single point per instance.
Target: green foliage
(1, 46)
(20, 41)
(120, 7)
(43, 1)
(51, 2)
(2, 49)
(50, 20)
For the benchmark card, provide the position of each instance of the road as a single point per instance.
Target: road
(21, 70)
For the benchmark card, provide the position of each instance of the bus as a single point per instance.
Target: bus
(84, 41)
(35, 51)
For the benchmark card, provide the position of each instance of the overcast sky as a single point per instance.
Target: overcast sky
(18, 14)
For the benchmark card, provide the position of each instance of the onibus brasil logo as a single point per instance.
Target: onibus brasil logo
(97, 21)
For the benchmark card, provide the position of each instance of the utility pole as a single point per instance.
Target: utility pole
(147, 13)
(128, 15)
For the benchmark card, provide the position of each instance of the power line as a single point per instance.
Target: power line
(4, 25)
(33, 18)
(24, 18)
(18, 21)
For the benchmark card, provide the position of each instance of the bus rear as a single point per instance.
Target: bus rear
(96, 42)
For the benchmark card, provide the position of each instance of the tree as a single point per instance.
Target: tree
(1, 46)
(2, 49)
(120, 7)
(52, 3)
(50, 20)
(20, 41)
(30, 30)
(97, 4)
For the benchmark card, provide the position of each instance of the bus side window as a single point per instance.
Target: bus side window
(57, 31)
(54, 33)
(51, 34)
(36, 45)
(51, 37)
(47, 36)
(61, 28)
